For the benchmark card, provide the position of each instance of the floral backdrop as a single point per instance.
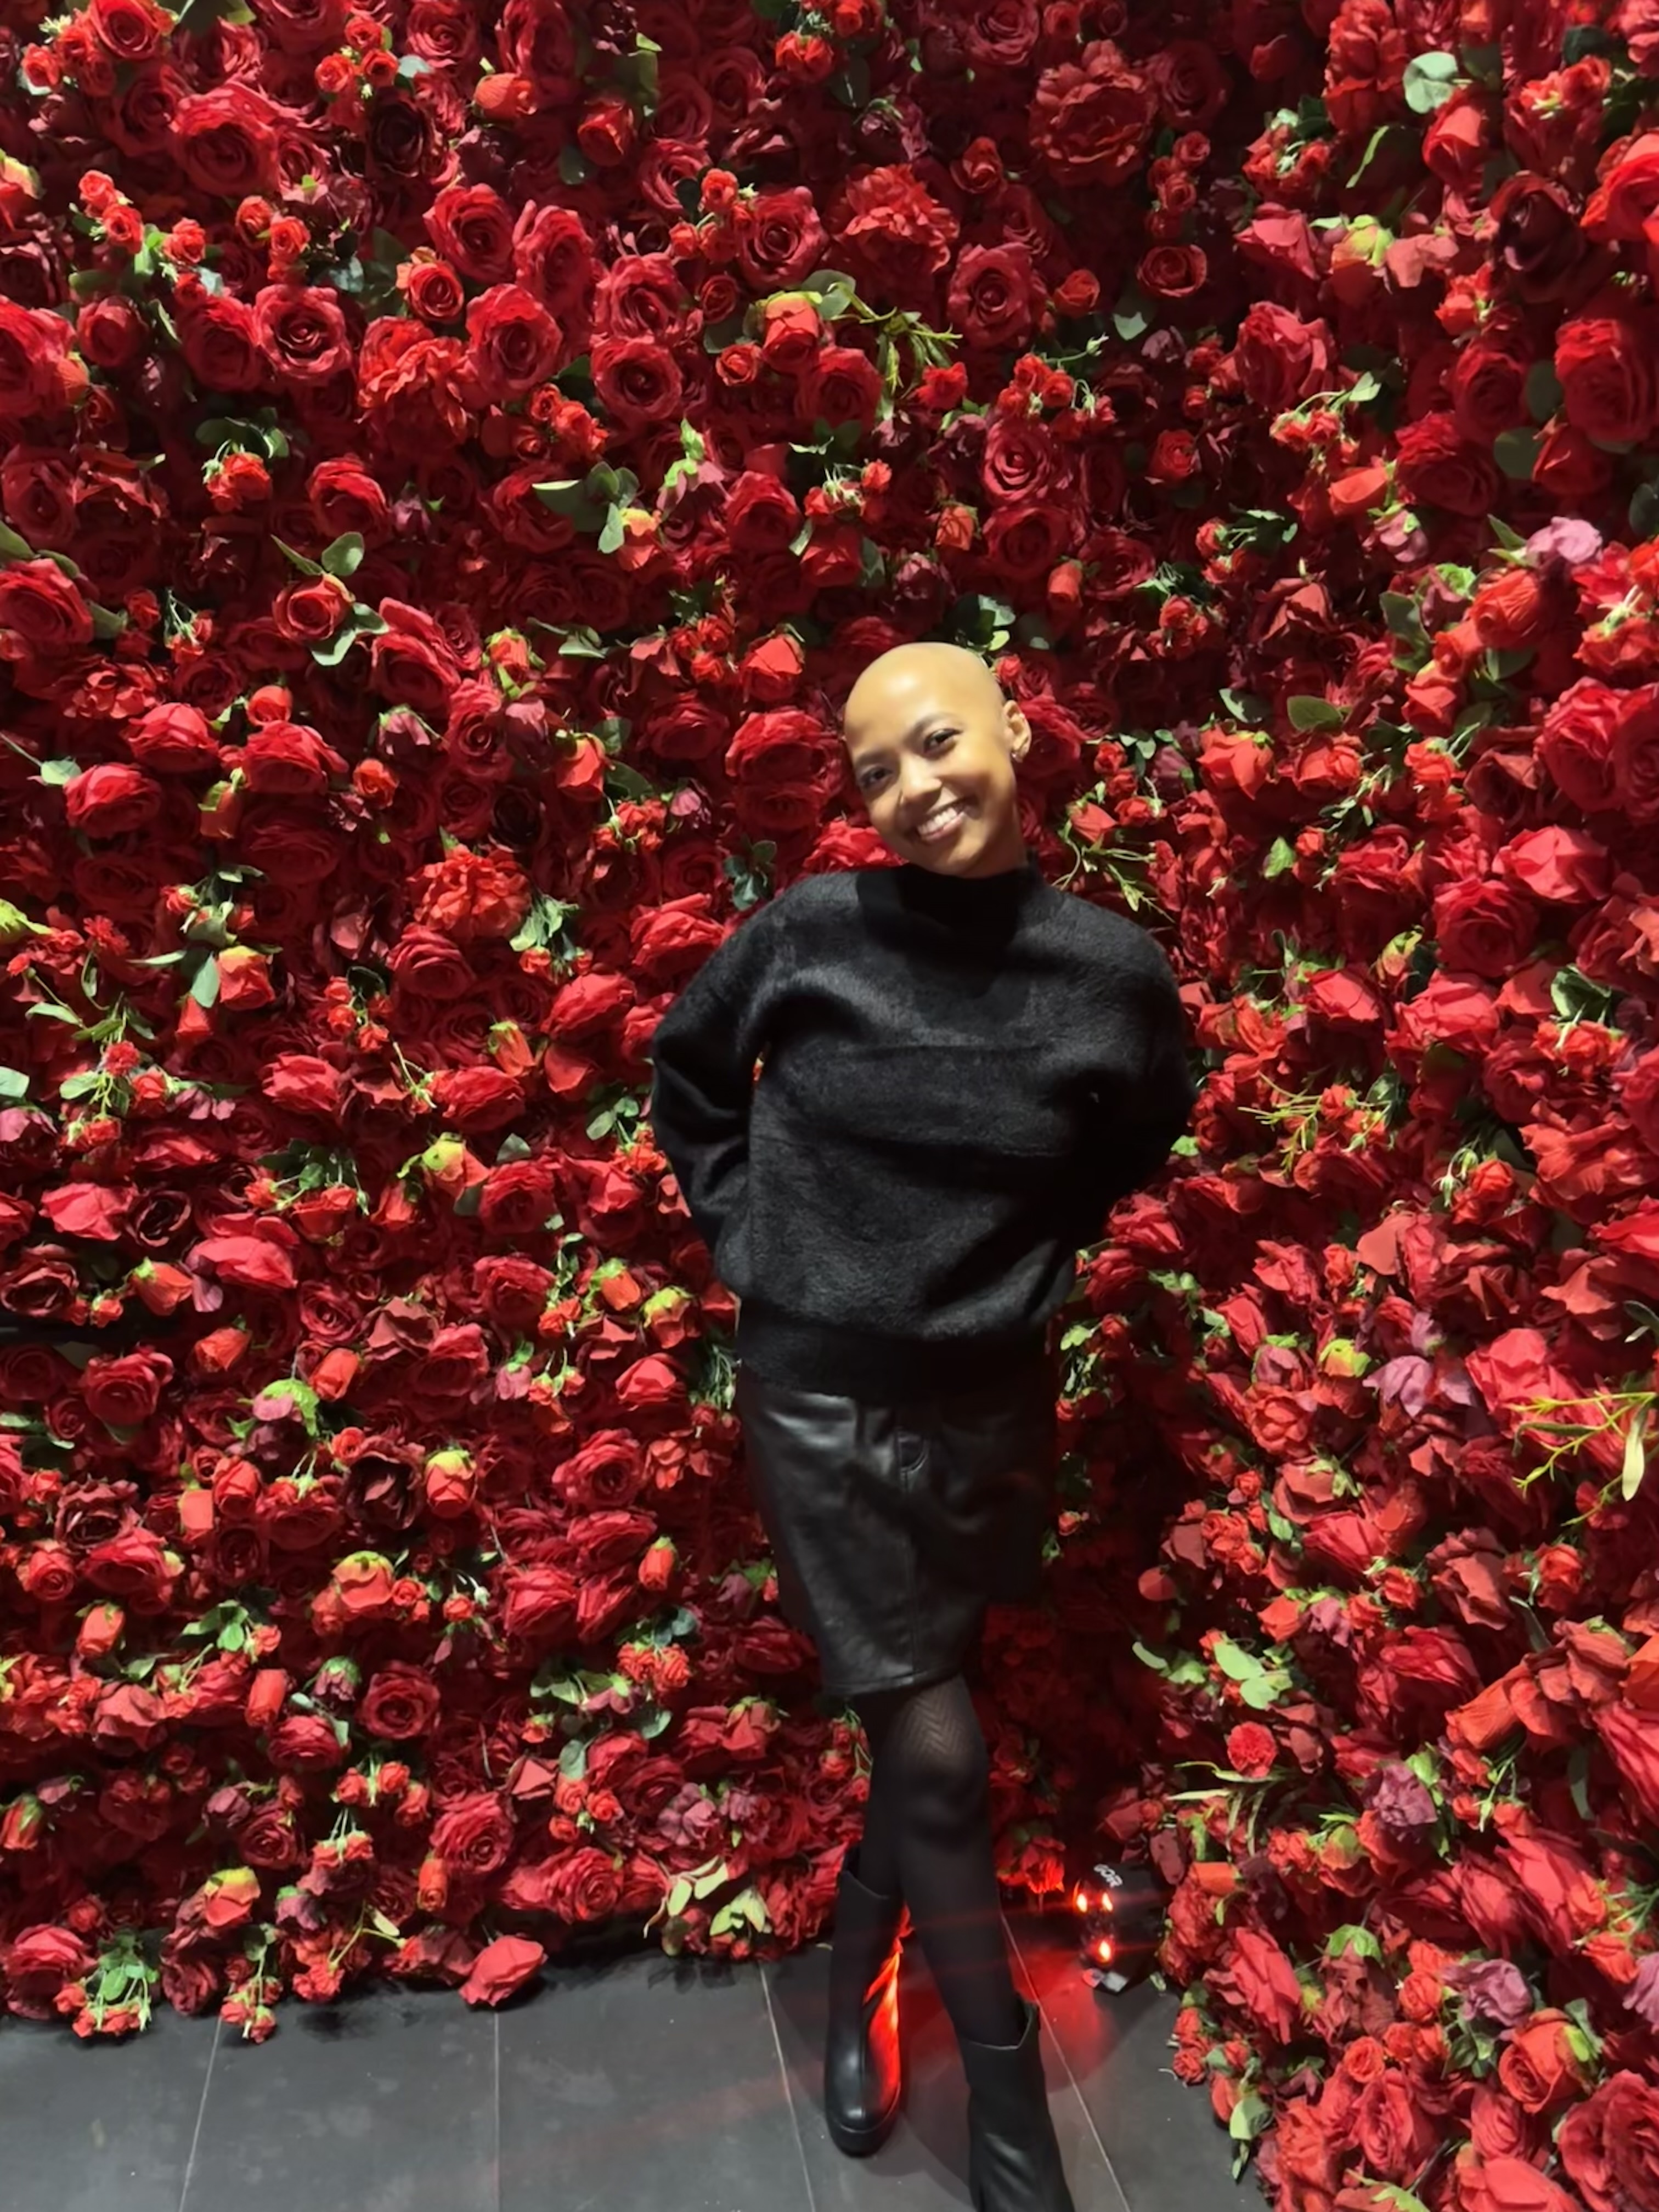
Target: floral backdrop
(453, 463)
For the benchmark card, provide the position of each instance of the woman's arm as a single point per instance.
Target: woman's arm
(704, 1055)
(1133, 1122)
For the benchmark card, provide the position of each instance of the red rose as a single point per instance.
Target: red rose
(136, 1568)
(1632, 1740)
(540, 1605)
(785, 767)
(41, 612)
(305, 1743)
(475, 1835)
(1636, 754)
(513, 342)
(779, 239)
(1575, 743)
(225, 141)
(1257, 1975)
(471, 225)
(1485, 928)
(1022, 460)
(1488, 389)
(889, 223)
(638, 382)
(1508, 2184)
(995, 296)
(301, 331)
(1628, 195)
(553, 257)
(37, 1964)
(842, 385)
(104, 802)
(1609, 2146)
(761, 516)
(1436, 464)
(1545, 2063)
(48, 1573)
(128, 1717)
(1566, 867)
(1393, 2129)
(1092, 119)
(220, 340)
(501, 1968)
(401, 1702)
(39, 374)
(1609, 382)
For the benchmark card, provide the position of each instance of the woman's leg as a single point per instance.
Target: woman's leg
(928, 1835)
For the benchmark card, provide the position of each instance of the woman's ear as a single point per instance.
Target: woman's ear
(1018, 730)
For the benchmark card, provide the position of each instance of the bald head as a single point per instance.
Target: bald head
(919, 671)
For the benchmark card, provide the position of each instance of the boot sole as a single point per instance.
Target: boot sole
(858, 2143)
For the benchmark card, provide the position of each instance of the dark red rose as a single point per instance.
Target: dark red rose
(1609, 376)
(475, 1834)
(995, 296)
(513, 342)
(38, 374)
(302, 332)
(226, 142)
(1091, 117)
(1436, 464)
(400, 1702)
(638, 382)
(1486, 927)
(781, 240)
(41, 613)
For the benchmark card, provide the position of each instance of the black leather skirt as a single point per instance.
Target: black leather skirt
(893, 1526)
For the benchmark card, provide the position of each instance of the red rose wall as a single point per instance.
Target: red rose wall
(453, 464)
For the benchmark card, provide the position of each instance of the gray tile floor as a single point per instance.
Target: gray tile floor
(644, 2082)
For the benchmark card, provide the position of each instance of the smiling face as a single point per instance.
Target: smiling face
(932, 744)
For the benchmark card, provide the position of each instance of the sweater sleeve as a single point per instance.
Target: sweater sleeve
(1135, 1125)
(703, 1053)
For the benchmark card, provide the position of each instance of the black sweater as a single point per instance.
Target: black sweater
(960, 1077)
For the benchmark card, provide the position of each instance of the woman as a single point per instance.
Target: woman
(963, 1068)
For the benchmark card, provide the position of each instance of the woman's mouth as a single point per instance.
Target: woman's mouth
(941, 822)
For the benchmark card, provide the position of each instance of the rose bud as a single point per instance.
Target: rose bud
(266, 1695)
(102, 1629)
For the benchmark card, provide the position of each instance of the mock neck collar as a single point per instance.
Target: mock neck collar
(967, 899)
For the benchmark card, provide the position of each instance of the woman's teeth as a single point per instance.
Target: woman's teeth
(940, 825)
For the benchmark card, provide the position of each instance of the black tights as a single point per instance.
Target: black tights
(927, 1838)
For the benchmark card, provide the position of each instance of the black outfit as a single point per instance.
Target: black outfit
(960, 1077)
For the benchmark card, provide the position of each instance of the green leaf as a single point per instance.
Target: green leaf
(1281, 856)
(1307, 712)
(1237, 1664)
(573, 164)
(198, 17)
(1133, 315)
(1431, 80)
(14, 1085)
(1511, 541)
(1644, 511)
(612, 536)
(1543, 391)
(361, 622)
(1359, 1940)
(1152, 1659)
(1635, 1464)
(302, 561)
(1252, 2116)
(59, 771)
(1515, 452)
(1400, 612)
(344, 556)
(13, 547)
(205, 986)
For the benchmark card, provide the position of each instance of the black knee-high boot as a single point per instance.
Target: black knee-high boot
(862, 2082)
(1014, 2158)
